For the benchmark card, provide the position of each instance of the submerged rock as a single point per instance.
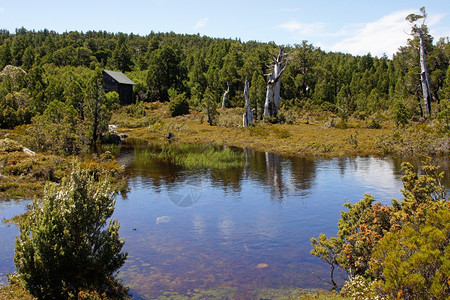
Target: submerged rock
(163, 219)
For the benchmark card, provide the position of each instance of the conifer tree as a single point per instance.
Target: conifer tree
(68, 245)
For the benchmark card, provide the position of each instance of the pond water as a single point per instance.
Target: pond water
(241, 231)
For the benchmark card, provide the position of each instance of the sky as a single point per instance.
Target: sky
(350, 26)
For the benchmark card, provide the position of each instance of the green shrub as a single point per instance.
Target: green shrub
(327, 106)
(341, 125)
(59, 129)
(399, 251)
(112, 100)
(14, 110)
(179, 105)
(360, 115)
(136, 110)
(67, 245)
(444, 114)
(372, 123)
(416, 260)
(401, 114)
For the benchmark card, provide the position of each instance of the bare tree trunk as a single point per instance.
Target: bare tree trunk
(417, 31)
(277, 97)
(269, 104)
(424, 77)
(225, 95)
(248, 113)
(273, 97)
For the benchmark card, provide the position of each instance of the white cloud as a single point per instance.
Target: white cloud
(383, 36)
(303, 28)
(201, 23)
(2, 10)
(438, 29)
(434, 19)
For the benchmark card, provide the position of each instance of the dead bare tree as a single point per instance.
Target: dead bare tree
(225, 95)
(418, 31)
(273, 97)
(248, 113)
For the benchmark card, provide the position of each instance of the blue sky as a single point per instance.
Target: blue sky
(357, 26)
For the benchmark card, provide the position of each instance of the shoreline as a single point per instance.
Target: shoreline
(308, 136)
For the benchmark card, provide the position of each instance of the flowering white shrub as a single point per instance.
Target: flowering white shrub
(360, 288)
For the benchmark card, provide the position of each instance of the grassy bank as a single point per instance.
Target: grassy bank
(311, 134)
(24, 173)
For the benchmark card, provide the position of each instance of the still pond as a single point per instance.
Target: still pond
(243, 230)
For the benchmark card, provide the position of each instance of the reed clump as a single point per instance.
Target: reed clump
(194, 156)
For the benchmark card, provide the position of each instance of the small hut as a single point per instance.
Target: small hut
(118, 82)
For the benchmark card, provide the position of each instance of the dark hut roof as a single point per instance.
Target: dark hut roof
(119, 77)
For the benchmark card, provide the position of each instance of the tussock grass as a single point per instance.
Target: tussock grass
(213, 159)
(198, 156)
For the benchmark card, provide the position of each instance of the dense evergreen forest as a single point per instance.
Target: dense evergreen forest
(51, 67)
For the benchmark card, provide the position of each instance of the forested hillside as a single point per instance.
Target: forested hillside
(60, 67)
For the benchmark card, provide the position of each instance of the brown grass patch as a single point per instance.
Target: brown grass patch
(307, 136)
